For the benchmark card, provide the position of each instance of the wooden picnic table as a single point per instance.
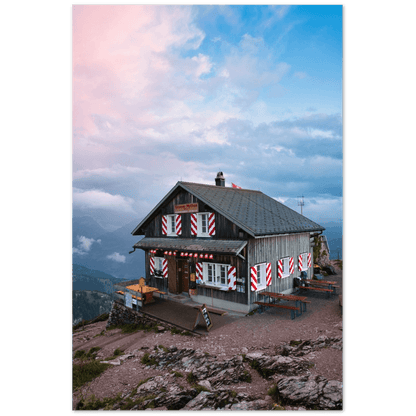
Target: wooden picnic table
(324, 282)
(147, 291)
(319, 285)
(300, 302)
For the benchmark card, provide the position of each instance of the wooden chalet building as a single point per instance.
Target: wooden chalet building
(223, 245)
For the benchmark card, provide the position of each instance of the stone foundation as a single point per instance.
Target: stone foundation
(121, 315)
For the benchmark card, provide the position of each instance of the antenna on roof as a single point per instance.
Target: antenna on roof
(301, 203)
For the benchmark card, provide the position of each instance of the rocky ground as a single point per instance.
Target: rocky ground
(256, 362)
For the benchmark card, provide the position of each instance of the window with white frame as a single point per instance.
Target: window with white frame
(158, 266)
(215, 274)
(261, 275)
(285, 267)
(171, 225)
(202, 221)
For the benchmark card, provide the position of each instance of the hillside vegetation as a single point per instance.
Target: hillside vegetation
(87, 304)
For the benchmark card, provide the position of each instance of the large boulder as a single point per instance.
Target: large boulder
(299, 348)
(202, 366)
(314, 392)
(268, 365)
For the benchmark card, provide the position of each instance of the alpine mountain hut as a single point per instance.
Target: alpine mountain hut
(223, 245)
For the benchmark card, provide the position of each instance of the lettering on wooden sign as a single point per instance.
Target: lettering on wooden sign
(178, 209)
(206, 318)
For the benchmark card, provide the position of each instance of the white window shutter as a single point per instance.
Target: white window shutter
(165, 268)
(194, 224)
(164, 224)
(178, 224)
(211, 224)
(232, 280)
(268, 274)
(253, 278)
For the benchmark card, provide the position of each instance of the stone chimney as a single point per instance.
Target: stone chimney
(220, 180)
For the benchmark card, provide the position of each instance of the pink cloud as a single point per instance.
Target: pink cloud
(119, 54)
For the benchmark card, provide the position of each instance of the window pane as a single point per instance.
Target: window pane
(223, 281)
(258, 274)
(210, 273)
(204, 223)
(172, 224)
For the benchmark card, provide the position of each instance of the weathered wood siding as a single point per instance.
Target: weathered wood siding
(272, 249)
(224, 229)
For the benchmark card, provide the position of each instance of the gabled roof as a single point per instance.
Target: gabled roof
(253, 211)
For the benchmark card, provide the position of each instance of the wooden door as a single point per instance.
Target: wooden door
(183, 274)
(173, 281)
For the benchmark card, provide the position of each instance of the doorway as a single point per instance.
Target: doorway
(183, 275)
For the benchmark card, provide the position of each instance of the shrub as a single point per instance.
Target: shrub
(200, 388)
(273, 392)
(246, 377)
(92, 403)
(161, 347)
(146, 360)
(262, 371)
(93, 352)
(80, 354)
(118, 352)
(190, 378)
(86, 371)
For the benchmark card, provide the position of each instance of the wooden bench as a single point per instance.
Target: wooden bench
(320, 289)
(276, 305)
(161, 294)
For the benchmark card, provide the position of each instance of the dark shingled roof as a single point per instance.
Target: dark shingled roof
(253, 211)
(193, 245)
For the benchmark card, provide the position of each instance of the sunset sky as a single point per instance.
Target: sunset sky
(169, 93)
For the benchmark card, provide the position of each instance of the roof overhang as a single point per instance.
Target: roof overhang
(192, 245)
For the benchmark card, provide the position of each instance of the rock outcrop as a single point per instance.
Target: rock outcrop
(268, 365)
(299, 348)
(207, 382)
(314, 392)
(200, 365)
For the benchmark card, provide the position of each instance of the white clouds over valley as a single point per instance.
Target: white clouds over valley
(84, 245)
(119, 258)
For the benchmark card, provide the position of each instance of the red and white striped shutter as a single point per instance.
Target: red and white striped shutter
(291, 266)
(300, 263)
(280, 269)
(165, 224)
(268, 274)
(165, 268)
(194, 224)
(211, 224)
(232, 281)
(178, 224)
(199, 274)
(253, 277)
(309, 260)
(152, 266)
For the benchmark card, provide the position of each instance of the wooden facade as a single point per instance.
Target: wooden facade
(272, 249)
(225, 229)
(259, 249)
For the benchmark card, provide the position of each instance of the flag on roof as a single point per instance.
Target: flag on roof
(235, 186)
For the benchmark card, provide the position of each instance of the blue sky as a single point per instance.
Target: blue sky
(169, 93)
